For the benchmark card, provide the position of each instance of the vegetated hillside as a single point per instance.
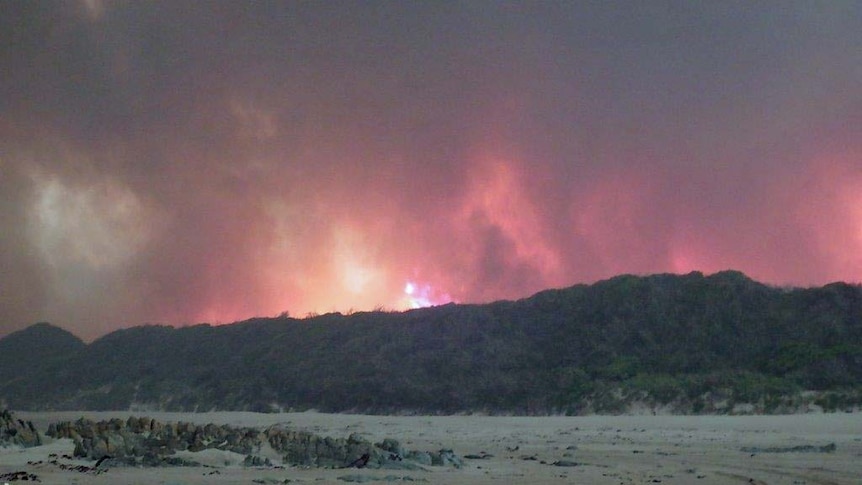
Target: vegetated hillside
(26, 352)
(691, 343)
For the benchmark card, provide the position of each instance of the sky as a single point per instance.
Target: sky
(181, 162)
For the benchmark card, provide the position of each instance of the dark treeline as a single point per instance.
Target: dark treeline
(692, 343)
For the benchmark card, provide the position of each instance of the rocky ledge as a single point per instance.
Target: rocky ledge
(145, 441)
(16, 432)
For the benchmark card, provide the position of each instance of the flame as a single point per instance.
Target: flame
(423, 295)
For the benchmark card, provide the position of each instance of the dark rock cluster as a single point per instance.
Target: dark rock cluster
(16, 432)
(19, 476)
(150, 442)
(830, 448)
(304, 448)
(145, 441)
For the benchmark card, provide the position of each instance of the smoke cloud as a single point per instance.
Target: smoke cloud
(182, 162)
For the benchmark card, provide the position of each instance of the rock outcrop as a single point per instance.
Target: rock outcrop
(17, 432)
(150, 442)
(145, 441)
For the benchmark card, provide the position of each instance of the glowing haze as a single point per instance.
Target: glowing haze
(183, 162)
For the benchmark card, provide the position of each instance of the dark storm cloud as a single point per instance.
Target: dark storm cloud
(186, 161)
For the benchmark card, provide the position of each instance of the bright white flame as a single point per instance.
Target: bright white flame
(421, 296)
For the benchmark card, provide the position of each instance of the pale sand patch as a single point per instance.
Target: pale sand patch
(608, 449)
(212, 458)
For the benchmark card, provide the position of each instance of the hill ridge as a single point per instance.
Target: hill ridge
(688, 343)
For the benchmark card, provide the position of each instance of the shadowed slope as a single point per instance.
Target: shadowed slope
(687, 341)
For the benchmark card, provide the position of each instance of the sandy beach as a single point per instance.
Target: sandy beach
(793, 449)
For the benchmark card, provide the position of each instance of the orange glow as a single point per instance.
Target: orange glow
(496, 199)
(611, 217)
(830, 213)
(213, 176)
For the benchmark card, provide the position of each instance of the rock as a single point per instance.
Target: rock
(303, 448)
(356, 478)
(830, 448)
(144, 441)
(99, 447)
(16, 432)
(392, 446)
(565, 463)
(420, 457)
(19, 475)
(254, 460)
(175, 461)
(446, 458)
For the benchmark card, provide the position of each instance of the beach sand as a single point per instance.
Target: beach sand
(600, 449)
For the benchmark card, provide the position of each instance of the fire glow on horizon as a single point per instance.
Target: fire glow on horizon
(266, 157)
(422, 295)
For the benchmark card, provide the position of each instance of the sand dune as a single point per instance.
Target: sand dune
(497, 450)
